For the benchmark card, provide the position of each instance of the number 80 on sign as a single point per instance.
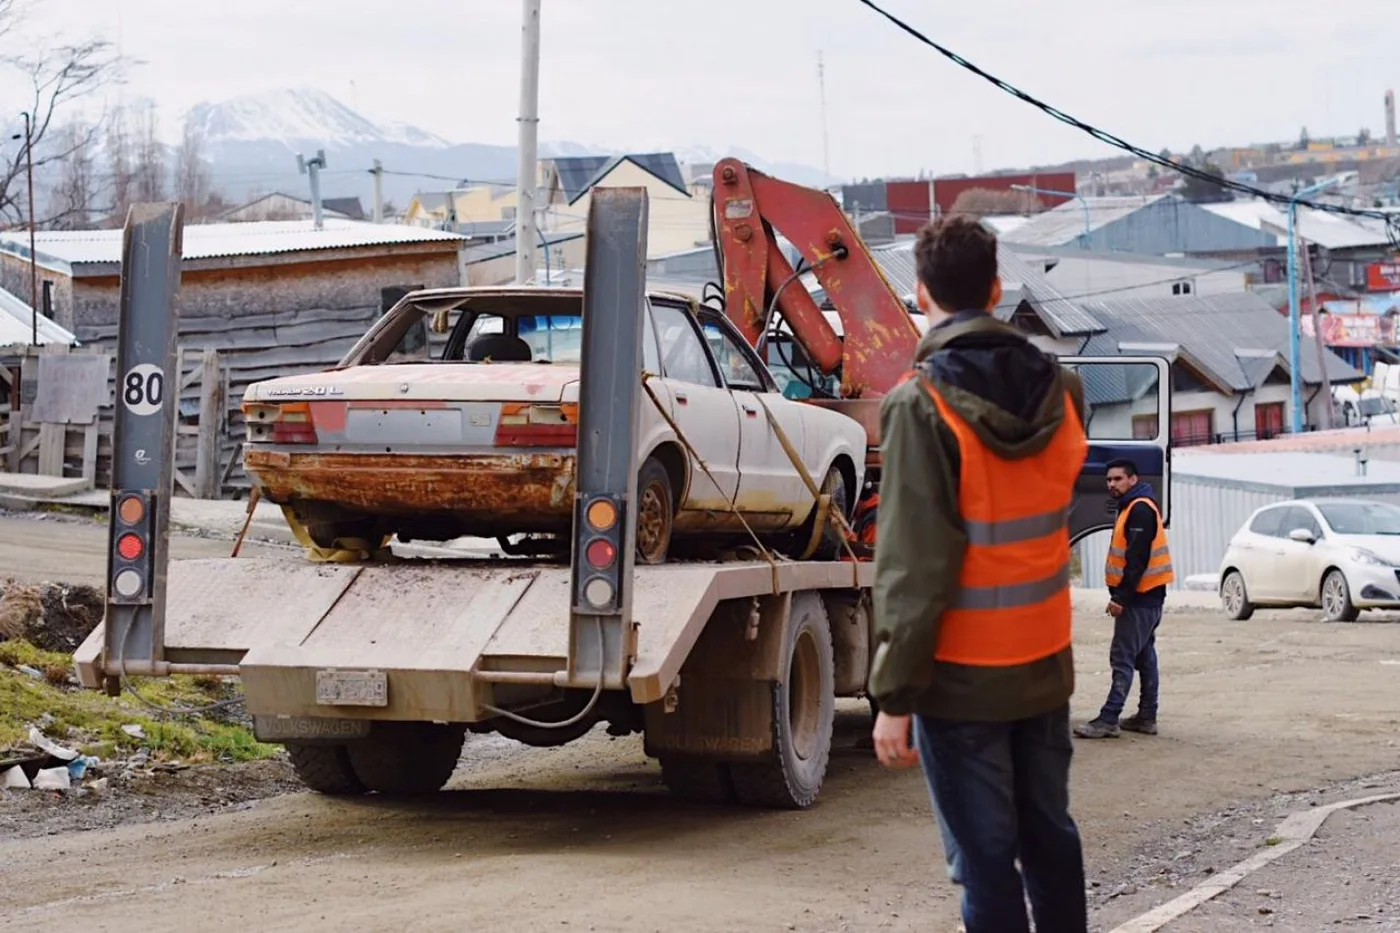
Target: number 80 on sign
(143, 389)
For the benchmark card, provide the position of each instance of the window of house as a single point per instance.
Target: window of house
(1181, 288)
(1190, 428)
(1268, 420)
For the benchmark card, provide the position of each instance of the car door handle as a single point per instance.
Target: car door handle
(681, 398)
(751, 412)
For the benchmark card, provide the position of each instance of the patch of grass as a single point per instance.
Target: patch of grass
(1273, 840)
(92, 722)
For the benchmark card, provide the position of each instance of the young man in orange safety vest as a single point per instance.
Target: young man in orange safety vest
(973, 667)
(1137, 571)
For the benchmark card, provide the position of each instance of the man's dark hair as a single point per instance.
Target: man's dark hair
(956, 258)
(1127, 466)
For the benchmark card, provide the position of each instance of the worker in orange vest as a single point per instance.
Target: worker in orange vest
(973, 667)
(1137, 571)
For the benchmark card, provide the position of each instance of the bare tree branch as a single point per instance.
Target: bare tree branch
(58, 75)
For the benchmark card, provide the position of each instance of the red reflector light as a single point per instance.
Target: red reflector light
(130, 547)
(293, 433)
(600, 553)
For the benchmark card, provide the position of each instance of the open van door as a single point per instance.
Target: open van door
(1127, 401)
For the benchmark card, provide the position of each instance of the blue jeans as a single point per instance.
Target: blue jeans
(1134, 648)
(1001, 792)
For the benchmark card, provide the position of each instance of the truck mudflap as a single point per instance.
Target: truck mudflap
(429, 642)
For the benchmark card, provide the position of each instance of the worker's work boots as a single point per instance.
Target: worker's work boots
(1138, 724)
(1097, 729)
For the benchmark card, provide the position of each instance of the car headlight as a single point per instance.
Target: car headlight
(1370, 558)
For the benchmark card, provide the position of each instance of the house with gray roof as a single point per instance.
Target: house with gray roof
(568, 179)
(1156, 226)
(1230, 369)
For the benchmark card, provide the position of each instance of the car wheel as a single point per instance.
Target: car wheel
(656, 508)
(1336, 598)
(1234, 598)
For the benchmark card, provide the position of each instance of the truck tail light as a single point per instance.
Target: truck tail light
(280, 424)
(526, 424)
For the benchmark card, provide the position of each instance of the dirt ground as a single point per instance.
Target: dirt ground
(1258, 719)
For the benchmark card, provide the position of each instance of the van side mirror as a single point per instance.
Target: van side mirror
(1302, 534)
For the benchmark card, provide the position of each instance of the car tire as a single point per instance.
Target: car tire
(1336, 598)
(1234, 598)
(656, 512)
(830, 546)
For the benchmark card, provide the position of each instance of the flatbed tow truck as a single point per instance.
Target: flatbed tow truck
(371, 673)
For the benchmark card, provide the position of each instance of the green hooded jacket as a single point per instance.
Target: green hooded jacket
(1012, 395)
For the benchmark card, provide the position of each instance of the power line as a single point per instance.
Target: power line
(1392, 222)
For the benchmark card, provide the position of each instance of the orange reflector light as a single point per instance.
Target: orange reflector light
(600, 553)
(130, 547)
(601, 514)
(131, 510)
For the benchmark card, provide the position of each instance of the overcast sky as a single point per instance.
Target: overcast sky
(662, 73)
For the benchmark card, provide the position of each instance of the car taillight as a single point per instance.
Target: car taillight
(525, 424)
(280, 424)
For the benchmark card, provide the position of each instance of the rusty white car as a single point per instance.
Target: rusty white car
(456, 416)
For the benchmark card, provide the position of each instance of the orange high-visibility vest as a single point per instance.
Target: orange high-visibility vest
(1159, 565)
(1013, 602)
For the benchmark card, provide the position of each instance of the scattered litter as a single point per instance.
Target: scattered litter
(32, 672)
(15, 778)
(52, 779)
(135, 731)
(1390, 661)
(79, 766)
(98, 786)
(43, 743)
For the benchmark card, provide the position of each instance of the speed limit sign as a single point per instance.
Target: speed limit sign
(143, 389)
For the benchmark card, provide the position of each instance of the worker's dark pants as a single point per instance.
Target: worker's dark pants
(1001, 790)
(1134, 648)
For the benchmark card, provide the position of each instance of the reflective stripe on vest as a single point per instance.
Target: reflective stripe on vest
(1013, 600)
(1159, 564)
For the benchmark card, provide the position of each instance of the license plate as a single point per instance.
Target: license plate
(352, 688)
(286, 728)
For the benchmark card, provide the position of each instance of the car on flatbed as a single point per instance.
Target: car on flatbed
(456, 415)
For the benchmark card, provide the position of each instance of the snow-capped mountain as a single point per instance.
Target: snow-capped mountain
(252, 142)
(300, 117)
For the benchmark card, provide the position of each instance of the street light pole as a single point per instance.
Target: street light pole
(1063, 194)
(33, 259)
(1295, 377)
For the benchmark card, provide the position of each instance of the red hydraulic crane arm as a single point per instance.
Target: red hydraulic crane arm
(880, 337)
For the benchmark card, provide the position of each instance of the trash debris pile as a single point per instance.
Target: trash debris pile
(50, 767)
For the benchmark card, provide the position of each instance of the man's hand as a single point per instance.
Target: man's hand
(891, 735)
(1115, 610)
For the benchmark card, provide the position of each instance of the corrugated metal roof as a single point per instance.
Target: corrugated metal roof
(1066, 222)
(1330, 231)
(17, 324)
(211, 241)
(1292, 474)
(1227, 335)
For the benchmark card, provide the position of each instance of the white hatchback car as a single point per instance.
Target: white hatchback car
(1340, 555)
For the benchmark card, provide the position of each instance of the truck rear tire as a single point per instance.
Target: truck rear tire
(804, 713)
(326, 769)
(403, 759)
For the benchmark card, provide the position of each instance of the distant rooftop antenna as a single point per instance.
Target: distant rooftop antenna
(312, 167)
(821, 87)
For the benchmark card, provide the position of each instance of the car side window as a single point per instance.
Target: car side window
(683, 354)
(1267, 522)
(651, 358)
(1299, 517)
(737, 368)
